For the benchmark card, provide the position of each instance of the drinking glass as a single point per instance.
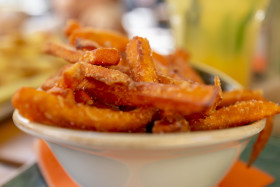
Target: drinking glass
(220, 33)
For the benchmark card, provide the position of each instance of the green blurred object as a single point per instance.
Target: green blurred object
(220, 33)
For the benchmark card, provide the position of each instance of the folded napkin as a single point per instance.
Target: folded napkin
(56, 176)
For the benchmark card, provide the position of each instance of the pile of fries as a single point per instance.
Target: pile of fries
(114, 84)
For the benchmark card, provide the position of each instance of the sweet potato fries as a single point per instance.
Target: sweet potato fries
(114, 84)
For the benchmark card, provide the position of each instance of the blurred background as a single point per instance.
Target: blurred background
(240, 38)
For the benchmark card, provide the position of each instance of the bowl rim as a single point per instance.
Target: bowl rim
(105, 140)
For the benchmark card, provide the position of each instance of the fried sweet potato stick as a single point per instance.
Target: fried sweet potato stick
(118, 41)
(101, 56)
(104, 38)
(84, 44)
(234, 96)
(178, 63)
(54, 79)
(184, 99)
(165, 79)
(122, 68)
(46, 108)
(262, 140)
(161, 59)
(176, 125)
(105, 75)
(140, 61)
(170, 122)
(219, 98)
(233, 115)
(71, 26)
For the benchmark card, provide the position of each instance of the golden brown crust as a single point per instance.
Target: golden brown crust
(241, 113)
(51, 109)
(100, 56)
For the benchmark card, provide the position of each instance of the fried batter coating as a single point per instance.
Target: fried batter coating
(262, 140)
(104, 38)
(233, 115)
(140, 61)
(231, 97)
(71, 26)
(100, 56)
(105, 75)
(184, 99)
(54, 79)
(178, 63)
(84, 44)
(170, 122)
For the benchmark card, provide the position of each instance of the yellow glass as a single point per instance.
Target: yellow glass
(221, 33)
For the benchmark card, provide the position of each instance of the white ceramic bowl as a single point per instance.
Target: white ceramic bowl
(151, 160)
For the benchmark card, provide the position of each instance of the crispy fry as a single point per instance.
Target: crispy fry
(164, 126)
(219, 98)
(178, 60)
(177, 97)
(71, 26)
(160, 59)
(261, 140)
(103, 37)
(170, 122)
(165, 79)
(184, 99)
(234, 96)
(53, 80)
(233, 115)
(122, 68)
(74, 74)
(51, 109)
(140, 61)
(83, 97)
(101, 56)
(178, 63)
(108, 76)
(84, 44)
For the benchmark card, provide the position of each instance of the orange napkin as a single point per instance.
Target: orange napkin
(56, 176)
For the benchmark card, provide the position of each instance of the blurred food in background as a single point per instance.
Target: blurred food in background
(27, 26)
(103, 14)
(11, 21)
(149, 19)
(22, 61)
